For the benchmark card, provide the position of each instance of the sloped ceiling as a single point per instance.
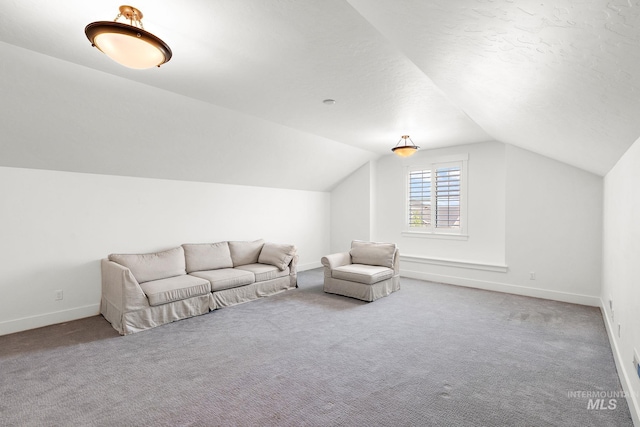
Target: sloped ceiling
(560, 78)
(241, 99)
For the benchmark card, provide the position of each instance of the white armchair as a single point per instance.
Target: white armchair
(369, 271)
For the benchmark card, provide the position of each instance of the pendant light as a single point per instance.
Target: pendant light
(128, 44)
(405, 150)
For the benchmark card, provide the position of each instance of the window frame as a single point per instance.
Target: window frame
(460, 233)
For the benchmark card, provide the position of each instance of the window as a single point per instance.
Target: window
(436, 199)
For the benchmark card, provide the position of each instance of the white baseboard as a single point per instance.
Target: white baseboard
(309, 266)
(593, 301)
(40, 320)
(623, 372)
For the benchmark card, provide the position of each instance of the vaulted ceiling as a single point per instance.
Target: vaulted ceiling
(241, 100)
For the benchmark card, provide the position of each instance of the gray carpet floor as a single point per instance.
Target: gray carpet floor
(428, 355)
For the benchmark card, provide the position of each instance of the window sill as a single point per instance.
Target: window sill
(427, 235)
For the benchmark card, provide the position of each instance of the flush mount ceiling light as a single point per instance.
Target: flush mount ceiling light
(405, 150)
(128, 44)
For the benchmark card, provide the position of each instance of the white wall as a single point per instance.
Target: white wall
(56, 226)
(351, 209)
(526, 213)
(553, 227)
(621, 268)
(485, 205)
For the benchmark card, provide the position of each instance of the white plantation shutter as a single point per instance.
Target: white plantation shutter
(434, 197)
(419, 198)
(447, 190)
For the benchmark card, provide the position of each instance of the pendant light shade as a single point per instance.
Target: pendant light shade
(128, 44)
(405, 150)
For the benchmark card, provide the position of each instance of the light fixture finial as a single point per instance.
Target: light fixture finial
(405, 150)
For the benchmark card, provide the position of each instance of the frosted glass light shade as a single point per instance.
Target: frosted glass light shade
(405, 150)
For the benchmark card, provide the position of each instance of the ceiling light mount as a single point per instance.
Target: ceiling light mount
(132, 14)
(405, 150)
(128, 44)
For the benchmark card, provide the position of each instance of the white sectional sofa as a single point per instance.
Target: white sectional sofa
(141, 291)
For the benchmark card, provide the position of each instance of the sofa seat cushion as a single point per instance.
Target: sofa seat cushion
(226, 278)
(177, 288)
(361, 273)
(264, 272)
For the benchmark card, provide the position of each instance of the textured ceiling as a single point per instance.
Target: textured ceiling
(243, 91)
(560, 77)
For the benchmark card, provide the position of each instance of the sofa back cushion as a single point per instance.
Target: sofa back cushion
(207, 256)
(277, 254)
(153, 266)
(243, 253)
(372, 253)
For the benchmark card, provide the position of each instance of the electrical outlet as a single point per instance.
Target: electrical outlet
(532, 275)
(618, 330)
(58, 295)
(611, 307)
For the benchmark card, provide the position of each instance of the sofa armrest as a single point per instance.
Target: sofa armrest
(293, 271)
(293, 265)
(120, 288)
(336, 260)
(396, 262)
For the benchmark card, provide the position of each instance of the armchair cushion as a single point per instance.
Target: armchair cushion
(372, 253)
(361, 273)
